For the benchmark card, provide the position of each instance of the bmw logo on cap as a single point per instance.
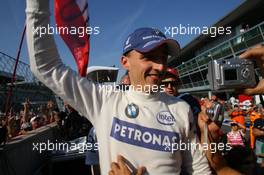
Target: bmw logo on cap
(132, 110)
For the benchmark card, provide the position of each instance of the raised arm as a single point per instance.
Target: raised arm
(214, 157)
(47, 66)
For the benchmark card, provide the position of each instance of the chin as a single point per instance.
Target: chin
(170, 93)
(154, 82)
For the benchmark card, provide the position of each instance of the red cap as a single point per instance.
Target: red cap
(173, 72)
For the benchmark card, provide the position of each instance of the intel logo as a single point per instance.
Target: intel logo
(165, 118)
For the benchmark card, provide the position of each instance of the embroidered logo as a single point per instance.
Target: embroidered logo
(132, 110)
(165, 118)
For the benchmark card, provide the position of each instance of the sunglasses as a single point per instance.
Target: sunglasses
(172, 83)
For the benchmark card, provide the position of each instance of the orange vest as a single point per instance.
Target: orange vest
(237, 116)
(253, 116)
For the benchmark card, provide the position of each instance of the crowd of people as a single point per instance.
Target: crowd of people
(20, 122)
(245, 153)
(70, 123)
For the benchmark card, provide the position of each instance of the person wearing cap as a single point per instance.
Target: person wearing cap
(131, 123)
(237, 115)
(171, 82)
(235, 136)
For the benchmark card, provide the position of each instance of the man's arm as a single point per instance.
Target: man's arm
(47, 66)
(257, 132)
(216, 160)
(243, 128)
(26, 110)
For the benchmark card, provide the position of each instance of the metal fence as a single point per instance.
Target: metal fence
(7, 64)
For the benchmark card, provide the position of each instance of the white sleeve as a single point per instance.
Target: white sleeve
(194, 160)
(45, 63)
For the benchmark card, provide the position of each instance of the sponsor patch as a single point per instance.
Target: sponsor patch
(132, 110)
(165, 118)
(141, 136)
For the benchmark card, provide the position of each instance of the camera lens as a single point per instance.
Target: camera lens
(210, 111)
(245, 72)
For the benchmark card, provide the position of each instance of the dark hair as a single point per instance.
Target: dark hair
(126, 54)
(234, 124)
(3, 134)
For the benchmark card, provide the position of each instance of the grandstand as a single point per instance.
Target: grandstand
(247, 23)
(25, 85)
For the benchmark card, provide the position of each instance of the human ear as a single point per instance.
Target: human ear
(124, 62)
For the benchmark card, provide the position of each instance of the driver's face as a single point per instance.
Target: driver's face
(146, 69)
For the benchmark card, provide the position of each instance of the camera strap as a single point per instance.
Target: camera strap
(206, 133)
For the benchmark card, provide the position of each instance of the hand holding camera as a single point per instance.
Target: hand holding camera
(216, 113)
(238, 73)
(210, 120)
(232, 73)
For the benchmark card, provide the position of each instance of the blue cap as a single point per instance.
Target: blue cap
(144, 40)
